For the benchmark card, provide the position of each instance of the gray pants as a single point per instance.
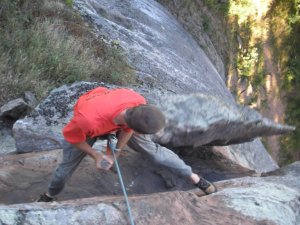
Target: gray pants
(141, 143)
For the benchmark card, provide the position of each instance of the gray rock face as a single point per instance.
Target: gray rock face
(250, 200)
(164, 55)
(195, 22)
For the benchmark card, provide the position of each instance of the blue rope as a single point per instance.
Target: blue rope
(121, 181)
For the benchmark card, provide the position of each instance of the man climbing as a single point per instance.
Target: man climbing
(124, 112)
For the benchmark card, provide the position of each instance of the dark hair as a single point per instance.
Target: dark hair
(145, 119)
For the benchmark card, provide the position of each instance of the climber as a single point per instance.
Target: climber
(124, 112)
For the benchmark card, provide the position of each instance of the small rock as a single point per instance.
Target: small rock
(30, 99)
(14, 109)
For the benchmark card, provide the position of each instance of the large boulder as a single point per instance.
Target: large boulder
(192, 120)
(41, 130)
(197, 119)
(269, 200)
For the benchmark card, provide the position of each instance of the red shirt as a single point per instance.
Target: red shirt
(95, 110)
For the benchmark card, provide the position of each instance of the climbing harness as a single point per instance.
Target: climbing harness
(112, 147)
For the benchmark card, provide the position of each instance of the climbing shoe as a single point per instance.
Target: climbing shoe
(206, 186)
(45, 198)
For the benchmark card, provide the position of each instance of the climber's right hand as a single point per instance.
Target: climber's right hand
(104, 162)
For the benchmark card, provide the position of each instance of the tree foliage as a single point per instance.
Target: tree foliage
(285, 27)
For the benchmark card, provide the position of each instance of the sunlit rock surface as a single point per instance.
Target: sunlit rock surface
(164, 55)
